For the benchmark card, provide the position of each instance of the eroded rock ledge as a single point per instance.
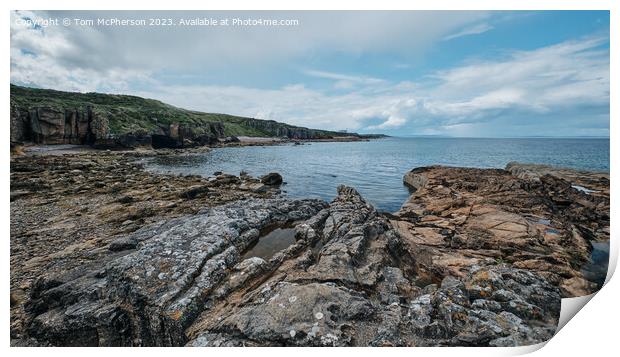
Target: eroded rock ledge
(350, 278)
(534, 217)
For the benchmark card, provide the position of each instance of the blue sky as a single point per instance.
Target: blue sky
(467, 73)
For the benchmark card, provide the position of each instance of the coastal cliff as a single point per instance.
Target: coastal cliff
(475, 257)
(120, 121)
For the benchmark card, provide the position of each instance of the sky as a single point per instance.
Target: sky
(403, 73)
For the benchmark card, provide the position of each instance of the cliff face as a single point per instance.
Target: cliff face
(274, 128)
(84, 126)
(107, 121)
(87, 126)
(52, 126)
(181, 135)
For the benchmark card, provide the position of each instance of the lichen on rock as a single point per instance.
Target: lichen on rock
(349, 280)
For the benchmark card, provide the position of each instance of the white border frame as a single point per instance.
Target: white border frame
(590, 331)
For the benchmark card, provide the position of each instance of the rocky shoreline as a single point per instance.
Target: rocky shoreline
(105, 253)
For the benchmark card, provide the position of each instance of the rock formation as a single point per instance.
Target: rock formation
(52, 126)
(272, 179)
(350, 278)
(183, 135)
(278, 130)
(88, 127)
(538, 218)
(104, 253)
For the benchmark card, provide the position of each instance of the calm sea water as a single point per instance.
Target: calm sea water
(376, 168)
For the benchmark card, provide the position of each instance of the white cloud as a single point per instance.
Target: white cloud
(543, 84)
(568, 75)
(536, 83)
(475, 107)
(473, 30)
(36, 59)
(343, 77)
(211, 48)
(552, 79)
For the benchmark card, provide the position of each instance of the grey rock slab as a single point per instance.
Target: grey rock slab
(158, 288)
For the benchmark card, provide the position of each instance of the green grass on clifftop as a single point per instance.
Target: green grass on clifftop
(130, 114)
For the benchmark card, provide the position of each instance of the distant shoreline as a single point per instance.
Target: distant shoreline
(496, 137)
(36, 148)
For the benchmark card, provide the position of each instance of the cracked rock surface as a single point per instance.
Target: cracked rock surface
(71, 206)
(351, 278)
(533, 217)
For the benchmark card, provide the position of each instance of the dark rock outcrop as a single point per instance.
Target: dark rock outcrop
(53, 126)
(125, 141)
(276, 129)
(272, 179)
(88, 127)
(184, 135)
(349, 279)
(588, 182)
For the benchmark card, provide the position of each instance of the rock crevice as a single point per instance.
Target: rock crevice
(350, 278)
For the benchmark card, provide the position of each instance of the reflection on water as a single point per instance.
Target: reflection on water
(596, 269)
(376, 168)
(271, 243)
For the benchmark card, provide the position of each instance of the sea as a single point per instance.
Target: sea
(376, 167)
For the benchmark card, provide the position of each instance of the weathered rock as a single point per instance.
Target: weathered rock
(491, 306)
(533, 219)
(257, 187)
(595, 183)
(472, 259)
(182, 135)
(147, 297)
(53, 126)
(272, 179)
(47, 125)
(19, 124)
(414, 180)
(307, 314)
(356, 285)
(68, 206)
(123, 243)
(194, 191)
(225, 179)
(124, 141)
(349, 279)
